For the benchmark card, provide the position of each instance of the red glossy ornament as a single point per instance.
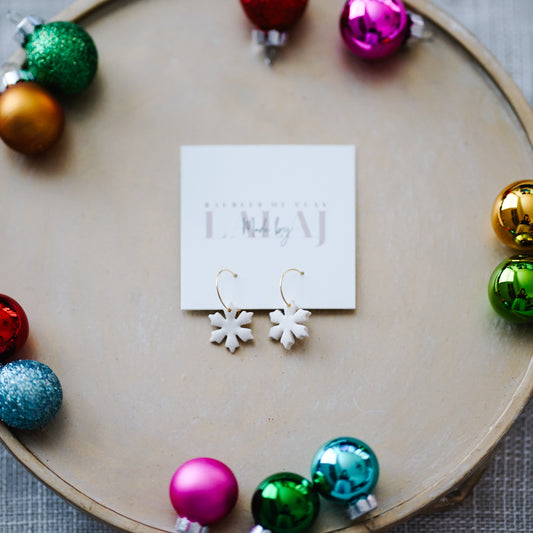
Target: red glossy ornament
(279, 15)
(14, 328)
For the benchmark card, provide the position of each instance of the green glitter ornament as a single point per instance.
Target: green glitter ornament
(61, 55)
(511, 289)
(285, 503)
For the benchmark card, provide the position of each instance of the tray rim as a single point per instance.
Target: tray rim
(471, 464)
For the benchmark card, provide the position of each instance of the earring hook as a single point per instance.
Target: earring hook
(281, 283)
(218, 290)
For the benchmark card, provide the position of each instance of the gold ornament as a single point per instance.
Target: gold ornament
(31, 119)
(512, 215)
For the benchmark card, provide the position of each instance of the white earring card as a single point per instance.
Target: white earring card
(260, 210)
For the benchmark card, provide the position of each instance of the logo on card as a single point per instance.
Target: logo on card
(281, 221)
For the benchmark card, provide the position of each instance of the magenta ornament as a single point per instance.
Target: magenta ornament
(202, 491)
(374, 29)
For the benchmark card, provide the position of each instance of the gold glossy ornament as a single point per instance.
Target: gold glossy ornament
(31, 119)
(512, 215)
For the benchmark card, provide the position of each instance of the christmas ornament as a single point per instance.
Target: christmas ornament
(289, 321)
(14, 328)
(231, 324)
(202, 491)
(279, 15)
(375, 29)
(512, 215)
(30, 394)
(60, 55)
(31, 119)
(273, 19)
(511, 289)
(346, 470)
(284, 503)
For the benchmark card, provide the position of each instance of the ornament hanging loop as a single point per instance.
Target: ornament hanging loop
(281, 283)
(218, 289)
(13, 16)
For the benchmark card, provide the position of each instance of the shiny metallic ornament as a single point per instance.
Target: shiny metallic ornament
(31, 119)
(202, 491)
(511, 289)
(14, 328)
(512, 215)
(60, 55)
(346, 470)
(30, 394)
(284, 503)
(374, 29)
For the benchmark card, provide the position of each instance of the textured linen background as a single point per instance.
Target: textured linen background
(503, 500)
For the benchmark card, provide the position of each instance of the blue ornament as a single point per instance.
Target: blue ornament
(347, 470)
(30, 394)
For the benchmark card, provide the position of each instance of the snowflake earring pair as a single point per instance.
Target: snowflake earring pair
(288, 323)
(231, 324)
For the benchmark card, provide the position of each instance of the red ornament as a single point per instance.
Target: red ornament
(14, 327)
(279, 15)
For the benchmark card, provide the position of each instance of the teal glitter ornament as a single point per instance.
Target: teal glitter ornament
(511, 289)
(284, 503)
(60, 55)
(346, 470)
(30, 394)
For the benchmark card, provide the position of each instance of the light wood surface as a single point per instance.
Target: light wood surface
(423, 370)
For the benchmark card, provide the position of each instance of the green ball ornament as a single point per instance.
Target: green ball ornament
(61, 56)
(285, 503)
(511, 289)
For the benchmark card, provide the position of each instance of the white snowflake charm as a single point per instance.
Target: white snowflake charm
(231, 327)
(289, 324)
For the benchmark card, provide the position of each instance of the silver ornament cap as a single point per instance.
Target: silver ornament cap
(271, 41)
(184, 525)
(361, 507)
(26, 27)
(11, 75)
(259, 529)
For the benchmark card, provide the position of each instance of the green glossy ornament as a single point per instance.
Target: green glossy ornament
(511, 289)
(285, 503)
(61, 56)
(346, 470)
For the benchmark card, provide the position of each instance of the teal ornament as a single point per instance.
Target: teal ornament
(30, 394)
(61, 56)
(284, 503)
(346, 470)
(511, 289)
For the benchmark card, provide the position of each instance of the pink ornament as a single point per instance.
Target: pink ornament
(203, 490)
(374, 29)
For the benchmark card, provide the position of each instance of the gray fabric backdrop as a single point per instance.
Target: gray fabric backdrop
(503, 501)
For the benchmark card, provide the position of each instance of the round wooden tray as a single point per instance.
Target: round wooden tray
(423, 371)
